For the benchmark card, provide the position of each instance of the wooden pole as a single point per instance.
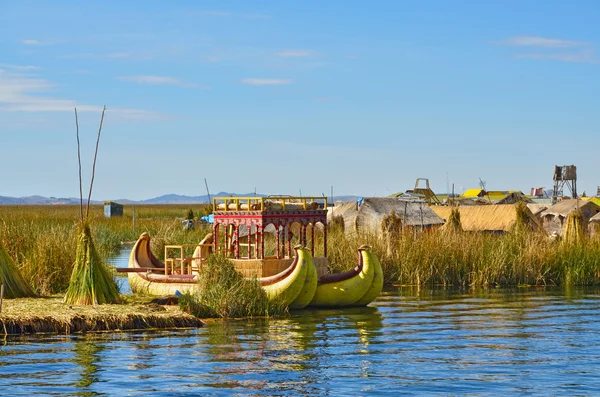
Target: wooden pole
(208, 193)
(133, 212)
(79, 162)
(87, 210)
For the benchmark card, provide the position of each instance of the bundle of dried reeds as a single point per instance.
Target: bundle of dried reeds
(574, 228)
(453, 224)
(91, 282)
(10, 276)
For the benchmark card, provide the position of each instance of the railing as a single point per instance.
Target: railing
(283, 203)
(187, 264)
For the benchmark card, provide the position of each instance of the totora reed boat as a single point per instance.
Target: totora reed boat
(297, 276)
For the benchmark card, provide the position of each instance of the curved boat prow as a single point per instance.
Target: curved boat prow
(141, 255)
(377, 284)
(287, 285)
(147, 274)
(347, 288)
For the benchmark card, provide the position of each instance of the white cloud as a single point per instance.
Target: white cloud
(156, 80)
(293, 53)
(20, 92)
(31, 42)
(136, 56)
(266, 81)
(18, 67)
(581, 57)
(544, 42)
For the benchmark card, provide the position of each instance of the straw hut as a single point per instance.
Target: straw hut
(594, 226)
(554, 217)
(511, 197)
(366, 215)
(496, 218)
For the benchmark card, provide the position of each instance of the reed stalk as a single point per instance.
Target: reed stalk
(91, 281)
(11, 279)
(224, 293)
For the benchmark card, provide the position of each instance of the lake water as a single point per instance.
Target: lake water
(122, 260)
(410, 341)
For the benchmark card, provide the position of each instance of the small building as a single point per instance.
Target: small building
(366, 215)
(112, 209)
(554, 217)
(494, 218)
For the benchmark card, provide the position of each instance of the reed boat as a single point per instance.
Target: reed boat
(356, 287)
(148, 275)
(297, 277)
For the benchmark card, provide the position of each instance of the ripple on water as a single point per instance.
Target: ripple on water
(499, 342)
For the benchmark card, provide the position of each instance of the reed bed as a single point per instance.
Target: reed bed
(42, 242)
(476, 259)
(224, 293)
(51, 315)
(42, 239)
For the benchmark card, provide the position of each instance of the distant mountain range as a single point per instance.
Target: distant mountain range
(164, 199)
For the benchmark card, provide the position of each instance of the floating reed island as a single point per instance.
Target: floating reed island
(52, 315)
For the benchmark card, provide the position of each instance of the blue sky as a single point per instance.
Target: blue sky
(297, 95)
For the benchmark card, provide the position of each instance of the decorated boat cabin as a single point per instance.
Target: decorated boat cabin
(242, 225)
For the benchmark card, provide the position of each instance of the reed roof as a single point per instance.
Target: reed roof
(369, 215)
(536, 209)
(486, 218)
(565, 207)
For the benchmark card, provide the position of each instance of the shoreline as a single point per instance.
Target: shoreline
(49, 315)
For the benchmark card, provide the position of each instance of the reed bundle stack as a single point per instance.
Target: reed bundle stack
(91, 282)
(574, 231)
(453, 224)
(10, 276)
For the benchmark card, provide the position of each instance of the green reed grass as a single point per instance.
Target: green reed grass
(476, 259)
(224, 293)
(42, 242)
(42, 239)
(10, 277)
(92, 282)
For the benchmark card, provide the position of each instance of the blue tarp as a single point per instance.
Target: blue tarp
(209, 218)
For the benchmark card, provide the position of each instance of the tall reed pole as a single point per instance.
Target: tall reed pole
(79, 161)
(87, 210)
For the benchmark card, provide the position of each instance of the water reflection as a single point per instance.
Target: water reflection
(87, 357)
(424, 341)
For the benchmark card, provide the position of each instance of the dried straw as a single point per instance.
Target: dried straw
(454, 224)
(91, 281)
(10, 276)
(575, 227)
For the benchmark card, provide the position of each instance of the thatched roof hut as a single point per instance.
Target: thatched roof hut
(367, 215)
(554, 217)
(497, 218)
